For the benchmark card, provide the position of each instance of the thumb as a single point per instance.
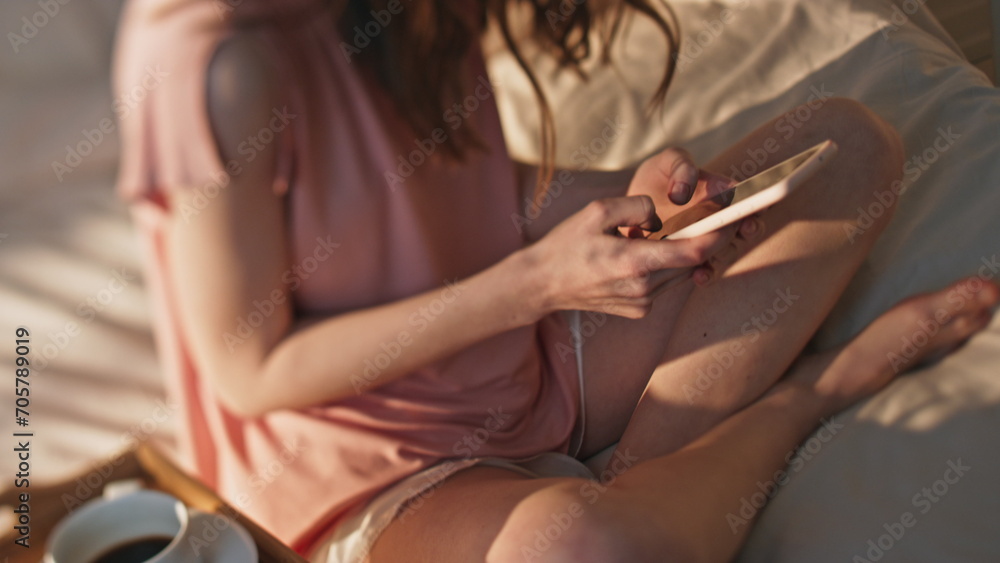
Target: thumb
(632, 211)
(673, 169)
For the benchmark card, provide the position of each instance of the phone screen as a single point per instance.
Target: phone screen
(735, 194)
(697, 212)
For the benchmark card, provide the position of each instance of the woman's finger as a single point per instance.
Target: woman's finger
(752, 228)
(616, 306)
(672, 170)
(665, 280)
(655, 255)
(632, 211)
(703, 275)
(635, 232)
(715, 183)
(708, 244)
(725, 257)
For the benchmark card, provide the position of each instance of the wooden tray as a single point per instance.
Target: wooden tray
(148, 464)
(167, 477)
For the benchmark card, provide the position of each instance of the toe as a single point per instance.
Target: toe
(989, 295)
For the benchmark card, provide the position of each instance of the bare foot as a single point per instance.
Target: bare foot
(924, 327)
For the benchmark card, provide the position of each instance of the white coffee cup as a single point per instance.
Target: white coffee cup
(101, 525)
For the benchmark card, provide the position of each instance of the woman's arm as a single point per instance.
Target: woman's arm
(230, 252)
(233, 251)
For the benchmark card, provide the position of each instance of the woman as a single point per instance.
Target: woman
(363, 343)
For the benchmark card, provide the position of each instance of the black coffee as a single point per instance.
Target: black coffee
(134, 551)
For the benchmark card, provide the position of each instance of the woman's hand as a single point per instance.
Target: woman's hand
(675, 183)
(586, 263)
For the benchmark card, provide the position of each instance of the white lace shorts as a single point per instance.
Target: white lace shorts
(353, 539)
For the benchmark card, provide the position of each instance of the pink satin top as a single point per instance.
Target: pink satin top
(359, 239)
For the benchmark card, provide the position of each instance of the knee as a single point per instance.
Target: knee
(866, 177)
(867, 143)
(561, 524)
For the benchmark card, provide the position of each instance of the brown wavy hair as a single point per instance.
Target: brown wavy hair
(420, 60)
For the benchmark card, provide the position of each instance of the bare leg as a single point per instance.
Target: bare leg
(672, 507)
(735, 337)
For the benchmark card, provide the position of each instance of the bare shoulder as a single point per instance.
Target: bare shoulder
(241, 90)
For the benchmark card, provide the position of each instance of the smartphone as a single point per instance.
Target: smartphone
(748, 197)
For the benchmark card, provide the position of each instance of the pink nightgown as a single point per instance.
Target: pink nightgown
(359, 239)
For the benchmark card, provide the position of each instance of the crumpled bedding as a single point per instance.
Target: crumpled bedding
(909, 475)
(926, 446)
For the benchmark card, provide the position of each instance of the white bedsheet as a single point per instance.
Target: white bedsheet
(764, 58)
(65, 241)
(69, 268)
